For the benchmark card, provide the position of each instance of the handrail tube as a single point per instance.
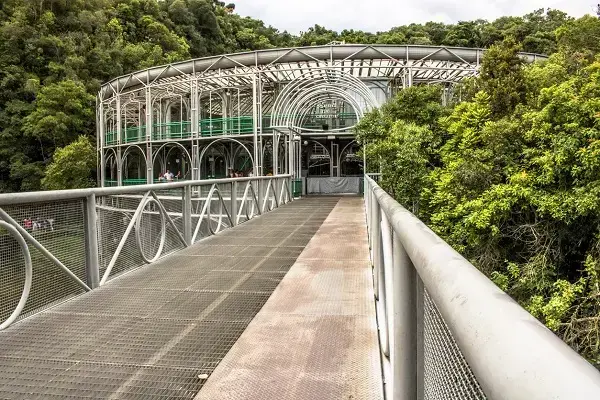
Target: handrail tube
(71, 194)
(92, 228)
(28, 274)
(512, 354)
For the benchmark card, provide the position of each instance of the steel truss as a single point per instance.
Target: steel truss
(241, 104)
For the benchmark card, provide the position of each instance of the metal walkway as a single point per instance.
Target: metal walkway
(316, 337)
(149, 334)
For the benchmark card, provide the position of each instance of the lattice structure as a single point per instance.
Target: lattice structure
(260, 111)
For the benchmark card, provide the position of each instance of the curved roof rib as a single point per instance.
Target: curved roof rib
(280, 64)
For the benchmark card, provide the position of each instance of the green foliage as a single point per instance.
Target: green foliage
(55, 54)
(502, 77)
(62, 111)
(511, 177)
(72, 167)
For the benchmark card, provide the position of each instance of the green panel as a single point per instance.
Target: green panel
(110, 137)
(134, 181)
(297, 188)
(134, 134)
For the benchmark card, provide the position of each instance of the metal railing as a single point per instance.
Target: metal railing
(58, 244)
(447, 332)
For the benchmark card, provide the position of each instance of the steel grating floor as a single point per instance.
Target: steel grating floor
(150, 333)
(316, 337)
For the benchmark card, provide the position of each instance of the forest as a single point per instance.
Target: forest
(508, 172)
(54, 54)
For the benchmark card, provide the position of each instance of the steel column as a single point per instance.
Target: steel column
(149, 129)
(101, 140)
(404, 329)
(234, 202)
(255, 125)
(92, 264)
(187, 214)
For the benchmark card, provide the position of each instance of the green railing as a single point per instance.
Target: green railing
(110, 138)
(172, 130)
(297, 188)
(209, 127)
(134, 134)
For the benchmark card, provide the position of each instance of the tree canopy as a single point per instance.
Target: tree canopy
(54, 54)
(510, 175)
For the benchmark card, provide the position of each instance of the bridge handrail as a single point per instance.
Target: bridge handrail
(70, 194)
(511, 354)
(79, 239)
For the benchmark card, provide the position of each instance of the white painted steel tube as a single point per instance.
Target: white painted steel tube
(28, 274)
(92, 263)
(512, 354)
(57, 195)
(404, 328)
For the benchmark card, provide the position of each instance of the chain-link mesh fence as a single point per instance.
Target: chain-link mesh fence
(447, 375)
(132, 229)
(58, 227)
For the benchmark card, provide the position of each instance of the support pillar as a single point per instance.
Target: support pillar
(255, 125)
(149, 131)
(92, 264)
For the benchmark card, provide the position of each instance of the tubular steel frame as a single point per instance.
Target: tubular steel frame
(511, 354)
(272, 192)
(258, 97)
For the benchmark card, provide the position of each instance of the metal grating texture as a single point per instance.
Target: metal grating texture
(447, 375)
(316, 337)
(149, 333)
(59, 228)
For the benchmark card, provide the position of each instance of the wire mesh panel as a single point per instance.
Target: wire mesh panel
(447, 374)
(151, 234)
(12, 273)
(211, 209)
(58, 227)
(172, 201)
(114, 214)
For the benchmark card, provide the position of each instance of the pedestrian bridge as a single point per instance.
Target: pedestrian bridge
(231, 289)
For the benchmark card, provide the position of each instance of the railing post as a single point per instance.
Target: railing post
(92, 267)
(420, 336)
(187, 214)
(404, 352)
(376, 245)
(234, 202)
(261, 195)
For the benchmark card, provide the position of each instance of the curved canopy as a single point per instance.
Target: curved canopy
(365, 62)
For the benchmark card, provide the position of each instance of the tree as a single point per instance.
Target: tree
(62, 112)
(72, 166)
(502, 77)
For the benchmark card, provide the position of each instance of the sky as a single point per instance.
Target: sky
(381, 15)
